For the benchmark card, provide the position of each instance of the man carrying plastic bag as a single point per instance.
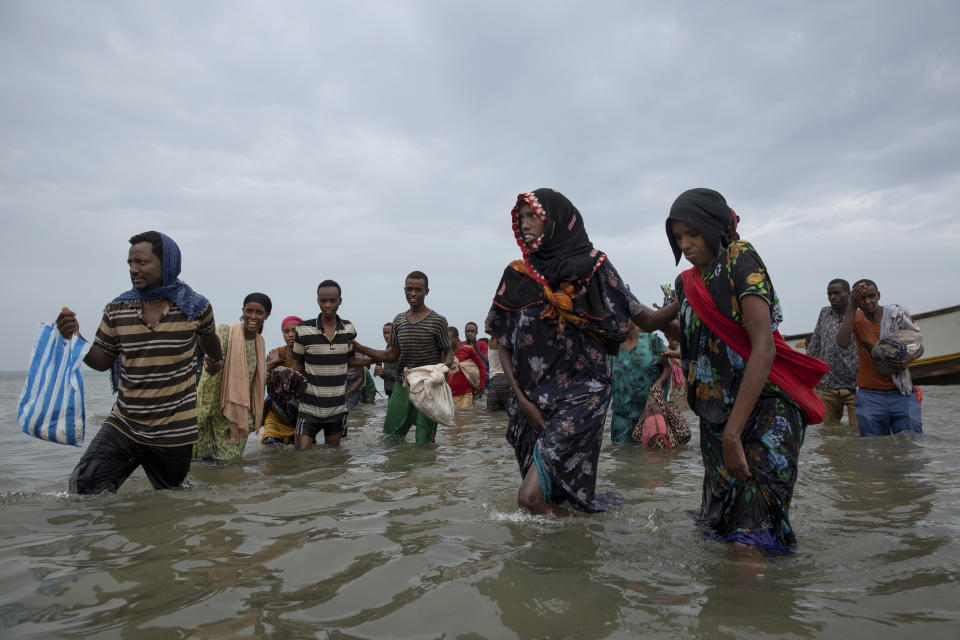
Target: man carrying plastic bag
(148, 338)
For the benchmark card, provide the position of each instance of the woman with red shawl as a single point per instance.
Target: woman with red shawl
(468, 375)
(753, 393)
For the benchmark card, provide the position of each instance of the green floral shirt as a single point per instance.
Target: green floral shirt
(713, 370)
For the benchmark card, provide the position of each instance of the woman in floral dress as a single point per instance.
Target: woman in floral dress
(637, 367)
(750, 429)
(558, 314)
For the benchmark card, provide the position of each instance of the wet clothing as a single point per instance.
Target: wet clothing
(354, 398)
(111, 457)
(156, 398)
(154, 421)
(390, 376)
(823, 345)
(634, 371)
(498, 392)
(560, 311)
(420, 344)
(369, 388)
(884, 413)
(325, 366)
(330, 426)
(276, 430)
(464, 401)
(498, 388)
(401, 415)
(866, 334)
(756, 511)
(284, 386)
(213, 428)
(712, 369)
(567, 374)
(835, 400)
(459, 383)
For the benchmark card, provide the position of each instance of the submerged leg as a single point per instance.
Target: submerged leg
(530, 496)
(399, 418)
(110, 458)
(303, 443)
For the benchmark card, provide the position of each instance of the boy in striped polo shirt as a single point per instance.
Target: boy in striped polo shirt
(324, 346)
(418, 337)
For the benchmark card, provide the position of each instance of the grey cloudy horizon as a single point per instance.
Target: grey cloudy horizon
(285, 143)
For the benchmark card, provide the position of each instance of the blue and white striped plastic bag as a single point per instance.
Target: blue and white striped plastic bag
(51, 404)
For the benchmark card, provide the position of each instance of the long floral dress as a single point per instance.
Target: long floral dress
(567, 375)
(213, 429)
(634, 372)
(753, 511)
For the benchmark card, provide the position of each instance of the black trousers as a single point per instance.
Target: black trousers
(111, 457)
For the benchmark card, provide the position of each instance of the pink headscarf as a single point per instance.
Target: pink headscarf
(290, 320)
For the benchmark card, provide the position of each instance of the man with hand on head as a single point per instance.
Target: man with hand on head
(148, 337)
(886, 404)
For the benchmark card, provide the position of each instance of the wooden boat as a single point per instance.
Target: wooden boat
(940, 363)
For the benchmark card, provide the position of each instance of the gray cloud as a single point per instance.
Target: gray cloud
(282, 144)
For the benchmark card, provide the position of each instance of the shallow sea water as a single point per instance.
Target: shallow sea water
(377, 540)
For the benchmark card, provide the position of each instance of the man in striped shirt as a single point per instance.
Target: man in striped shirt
(418, 337)
(148, 337)
(324, 346)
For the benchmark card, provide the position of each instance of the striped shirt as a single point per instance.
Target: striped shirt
(325, 366)
(157, 397)
(422, 343)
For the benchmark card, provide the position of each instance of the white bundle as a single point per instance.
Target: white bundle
(430, 393)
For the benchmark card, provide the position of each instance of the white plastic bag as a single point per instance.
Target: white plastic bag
(430, 393)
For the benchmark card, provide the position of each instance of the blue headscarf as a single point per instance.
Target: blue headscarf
(172, 288)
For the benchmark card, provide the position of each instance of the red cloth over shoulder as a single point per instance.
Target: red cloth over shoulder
(794, 372)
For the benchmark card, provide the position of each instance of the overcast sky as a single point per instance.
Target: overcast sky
(283, 143)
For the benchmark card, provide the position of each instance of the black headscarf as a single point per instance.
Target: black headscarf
(263, 300)
(563, 254)
(706, 211)
(260, 298)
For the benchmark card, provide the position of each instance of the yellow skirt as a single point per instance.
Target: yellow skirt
(274, 427)
(463, 402)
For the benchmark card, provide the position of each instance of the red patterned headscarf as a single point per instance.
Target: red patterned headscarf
(563, 253)
(557, 269)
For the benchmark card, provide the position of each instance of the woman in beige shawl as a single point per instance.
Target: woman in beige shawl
(230, 402)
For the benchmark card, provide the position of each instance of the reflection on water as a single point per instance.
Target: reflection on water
(388, 540)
